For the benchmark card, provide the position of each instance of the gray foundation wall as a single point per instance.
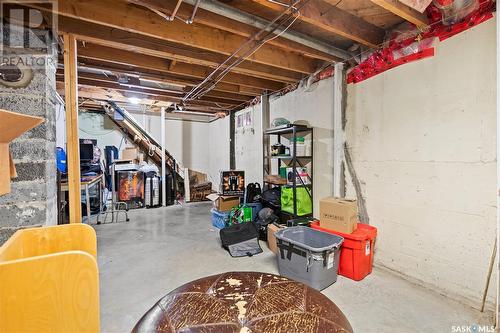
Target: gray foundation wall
(32, 201)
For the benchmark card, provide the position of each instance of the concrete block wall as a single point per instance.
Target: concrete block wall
(422, 139)
(32, 201)
(423, 143)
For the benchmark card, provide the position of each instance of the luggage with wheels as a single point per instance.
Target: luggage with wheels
(152, 190)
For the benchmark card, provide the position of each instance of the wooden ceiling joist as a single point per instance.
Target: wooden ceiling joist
(107, 94)
(122, 15)
(162, 77)
(97, 52)
(329, 18)
(134, 82)
(403, 11)
(124, 40)
(217, 21)
(172, 96)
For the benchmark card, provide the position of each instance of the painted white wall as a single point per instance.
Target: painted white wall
(187, 141)
(199, 146)
(100, 127)
(423, 138)
(313, 106)
(248, 147)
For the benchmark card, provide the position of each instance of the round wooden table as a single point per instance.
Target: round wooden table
(244, 302)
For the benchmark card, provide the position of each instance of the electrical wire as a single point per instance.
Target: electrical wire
(239, 61)
(200, 90)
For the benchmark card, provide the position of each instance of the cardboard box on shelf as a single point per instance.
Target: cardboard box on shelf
(271, 240)
(12, 125)
(130, 154)
(223, 203)
(338, 214)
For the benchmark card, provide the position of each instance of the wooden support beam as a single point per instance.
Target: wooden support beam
(97, 52)
(329, 18)
(403, 11)
(124, 40)
(72, 142)
(143, 21)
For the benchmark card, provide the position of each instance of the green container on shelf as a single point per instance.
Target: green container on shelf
(304, 203)
(283, 172)
(299, 139)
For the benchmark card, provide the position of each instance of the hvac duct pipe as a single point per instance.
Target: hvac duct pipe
(240, 16)
(163, 171)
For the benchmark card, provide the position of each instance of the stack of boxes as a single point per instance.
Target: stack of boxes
(232, 188)
(340, 217)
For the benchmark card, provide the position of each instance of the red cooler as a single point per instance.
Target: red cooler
(356, 253)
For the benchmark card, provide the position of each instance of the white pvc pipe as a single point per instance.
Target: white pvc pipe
(163, 166)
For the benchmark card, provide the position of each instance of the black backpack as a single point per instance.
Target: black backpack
(241, 240)
(253, 193)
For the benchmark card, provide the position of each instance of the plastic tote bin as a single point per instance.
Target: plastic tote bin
(219, 219)
(356, 255)
(256, 207)
(309, 256)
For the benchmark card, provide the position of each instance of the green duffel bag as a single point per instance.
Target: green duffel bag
(304, 203)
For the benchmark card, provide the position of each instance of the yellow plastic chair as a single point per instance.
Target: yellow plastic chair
(49, 280)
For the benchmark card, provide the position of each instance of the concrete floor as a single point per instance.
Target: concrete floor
(161, 249)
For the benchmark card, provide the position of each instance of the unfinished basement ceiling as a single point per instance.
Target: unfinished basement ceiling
(133, 49)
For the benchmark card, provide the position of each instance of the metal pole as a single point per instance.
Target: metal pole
(265, 124)
(163, 171)
(497, 308)
(338, 131)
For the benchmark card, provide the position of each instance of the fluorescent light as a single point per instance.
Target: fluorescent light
(134, 100)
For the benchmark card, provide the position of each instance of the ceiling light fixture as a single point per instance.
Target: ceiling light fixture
(134, 100)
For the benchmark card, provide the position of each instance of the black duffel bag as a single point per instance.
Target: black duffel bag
(241, 240)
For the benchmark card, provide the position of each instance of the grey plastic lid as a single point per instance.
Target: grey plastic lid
(309, 239)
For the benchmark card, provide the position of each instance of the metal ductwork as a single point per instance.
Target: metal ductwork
(240, 16)
(453, 11)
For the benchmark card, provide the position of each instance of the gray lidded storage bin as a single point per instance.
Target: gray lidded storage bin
(308, 255)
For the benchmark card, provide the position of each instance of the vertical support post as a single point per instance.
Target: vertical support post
(232, 143)
(266, 124)
(338, 131)
(72, 142)
(163, 169)
(497, 308)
